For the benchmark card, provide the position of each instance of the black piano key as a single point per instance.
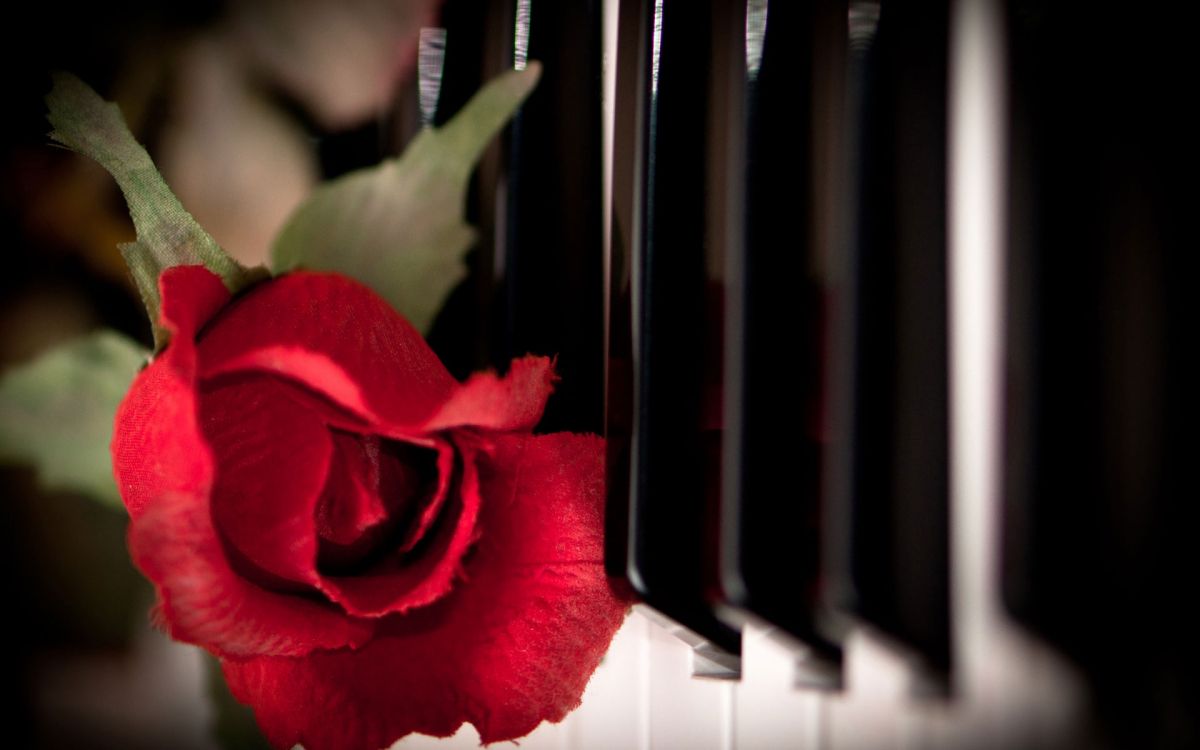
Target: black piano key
(462, 332)
(467, 29)
(551, 257)
(891, 526)
(1101, 515)
(665, 477)
(771, 509)
(536, 277)
(627, 165)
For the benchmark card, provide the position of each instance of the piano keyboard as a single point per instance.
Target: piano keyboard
(879, 307)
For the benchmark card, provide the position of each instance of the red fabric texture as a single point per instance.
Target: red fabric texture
(512, 647)
(370, 547)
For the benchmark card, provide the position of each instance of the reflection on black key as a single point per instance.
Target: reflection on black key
(673, 335)
(771, 509)
(1101, 513)
(893, 519)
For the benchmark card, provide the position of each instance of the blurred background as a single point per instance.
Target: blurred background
(945, 246)
(244, 106)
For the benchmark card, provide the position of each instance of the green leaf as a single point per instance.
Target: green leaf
(167, 235)
(398, 227)
(57, 412)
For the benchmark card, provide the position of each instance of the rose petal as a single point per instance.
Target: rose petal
(512, 646)
(399, 583)
(514, 402)
(378, 491)
(351, 502)
(204, 601)
(164, 468)
(155, 447)
(272, 457)
(338, 338)
(433, 508)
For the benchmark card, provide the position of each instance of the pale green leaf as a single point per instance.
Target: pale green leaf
(398, 227)
(56, 412)
(167, 235)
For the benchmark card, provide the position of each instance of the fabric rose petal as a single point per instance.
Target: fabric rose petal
(370, 547)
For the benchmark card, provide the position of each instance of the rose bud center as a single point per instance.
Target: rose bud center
(374, 492)
(305, 497)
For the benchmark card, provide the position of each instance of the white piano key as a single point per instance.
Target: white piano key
(1012, 692)
(609, 89)
(685, 712)
(611, 715)
(976, 281)
(708, 659)
(875, 711)
(770, 712)
(615, 700)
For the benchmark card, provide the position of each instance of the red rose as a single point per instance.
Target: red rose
(370, 547)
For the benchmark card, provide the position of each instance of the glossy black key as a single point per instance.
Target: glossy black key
(891, 525)
(463, 330)
(1101, 517)
(551, 260)
(665, 365)
(536, 281)
(775, 362)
